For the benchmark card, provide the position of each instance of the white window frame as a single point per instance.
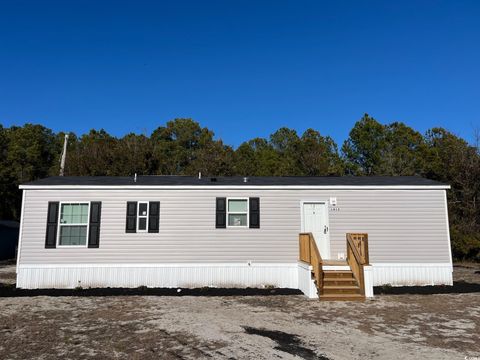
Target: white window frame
(236, 212)
(142, 216)
(60, 224)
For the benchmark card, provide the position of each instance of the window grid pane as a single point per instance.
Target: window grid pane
(238, 206)
(237, 219)
(73, 235)
(142, 209)
(74, 214)
(142, 224)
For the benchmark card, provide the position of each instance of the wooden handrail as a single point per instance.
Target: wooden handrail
(360, 241)
(355, 252)
(309, 253)
(357, 256)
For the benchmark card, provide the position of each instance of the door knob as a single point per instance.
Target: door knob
(325, 229)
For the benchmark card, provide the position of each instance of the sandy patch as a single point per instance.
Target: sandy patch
(437, 326)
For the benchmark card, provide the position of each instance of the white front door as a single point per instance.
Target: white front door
(315, 220)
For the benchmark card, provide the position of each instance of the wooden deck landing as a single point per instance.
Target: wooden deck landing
(335, 263)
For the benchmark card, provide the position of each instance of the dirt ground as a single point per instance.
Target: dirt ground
(440, 324)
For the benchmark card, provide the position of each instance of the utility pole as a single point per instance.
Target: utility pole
(64, 155)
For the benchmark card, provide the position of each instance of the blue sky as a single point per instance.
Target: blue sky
(241, 68)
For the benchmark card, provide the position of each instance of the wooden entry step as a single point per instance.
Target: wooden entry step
(340, 285)
(341, 289)
(338, 274)
(342, 297)
(337, 279)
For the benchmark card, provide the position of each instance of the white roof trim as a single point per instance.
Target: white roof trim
(235, 187)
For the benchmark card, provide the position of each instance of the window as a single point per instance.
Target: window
(237, 212)
(73, 224)
(142, 221)
(143, 216)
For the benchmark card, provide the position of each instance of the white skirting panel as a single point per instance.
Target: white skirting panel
(368, 279)
(288, 275)
(157, 275)
(305, 282)
(412, 274)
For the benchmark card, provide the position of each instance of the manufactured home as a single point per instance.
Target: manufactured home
(330, 237)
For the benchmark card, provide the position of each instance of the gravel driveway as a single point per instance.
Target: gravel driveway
(399, 326)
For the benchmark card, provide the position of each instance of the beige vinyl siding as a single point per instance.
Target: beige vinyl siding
(404, 226)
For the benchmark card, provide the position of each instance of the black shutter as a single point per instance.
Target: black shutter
(52, 225)
(221, 213)
(94, 228)
(254, 212)
(153, 216)
(131, 224)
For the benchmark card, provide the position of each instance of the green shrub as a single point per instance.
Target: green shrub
(465, 246)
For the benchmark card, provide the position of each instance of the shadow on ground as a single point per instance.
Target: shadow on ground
(9, 290)
(459, 287)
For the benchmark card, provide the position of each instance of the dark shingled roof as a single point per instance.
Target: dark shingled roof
(238, 180)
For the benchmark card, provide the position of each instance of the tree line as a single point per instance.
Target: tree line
(184, 147)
